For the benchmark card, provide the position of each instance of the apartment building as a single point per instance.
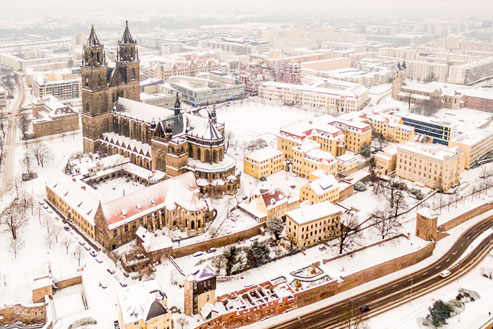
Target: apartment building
(475, 144)
(346, 163)
(473, 72)
(334, 96)
(393, 132)
(3, 97)
(312, 224)
(263, 162)
(439, 131)
(61, 89)
(308, 157)
(354, 75)
(422, 71)
(185, 64)
(323, 188)
(435, 166)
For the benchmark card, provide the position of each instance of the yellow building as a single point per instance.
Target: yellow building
(312, 224)
(393, 132)
(385, 161)
(143, 306)
(267, 204)
(308, 157)
(346, 163)
(323, 188)
(263, 162)
(474, 145)
(357, 134)
(435, 166)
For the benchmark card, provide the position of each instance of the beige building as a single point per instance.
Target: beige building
(346, 163)
(333, 95)
(63, 84)
(435, 166)
(312, 224)
(52, 117)
(266, 204)
(3, 97)
(263, 162)
(422, 71)
(393, 132)
(474, 144)
(385, 161)
(323, 188)
(357, 134)
(308, 157)
(143, 306)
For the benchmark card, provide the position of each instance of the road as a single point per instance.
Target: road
(9, 160)
(401, 290)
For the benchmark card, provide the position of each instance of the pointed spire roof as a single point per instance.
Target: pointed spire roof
(93, 40)
(177, 102)
(127, 36)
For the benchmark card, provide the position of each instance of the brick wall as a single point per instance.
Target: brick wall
(69, 282)
(353, 280)
(218, 242)
(465, 217)
(26, 314)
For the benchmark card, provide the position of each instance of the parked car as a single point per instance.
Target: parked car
(45, 207)
(93, 253)
(322, 248)
(117, 324)
(87, 247)
(41, 203)
(445, 273)
(82, 243)
(198, 253)
(50, 211)
(364, 308)
(211, 250)
(123, 284)
(110, 271)
(99, 260)
(66, 228)
(103, 284)
(125, 274)
(253, 239)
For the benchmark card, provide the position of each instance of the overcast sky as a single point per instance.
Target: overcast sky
(137, 9)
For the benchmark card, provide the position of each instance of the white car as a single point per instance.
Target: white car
(99, 260)
(103, 284)
(198, 253)
(444, 273)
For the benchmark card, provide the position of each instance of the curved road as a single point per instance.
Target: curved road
(395, 292)
(8, 164)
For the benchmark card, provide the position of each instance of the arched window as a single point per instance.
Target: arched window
(86, 83)
(207, 156)
(198, 153)
(192, 225)
(214, 156)
(133, 74)
(100, 81)
(87, 107)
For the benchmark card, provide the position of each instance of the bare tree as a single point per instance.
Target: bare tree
(41, 153)
(15, 245)
(347, 236)
(56, 232)
(24, 125)
(14, 217)
(66, 243)
(182, 321)
(49, 240)
(353, 319)
(27, 158)
(385, 223)
(78, 254)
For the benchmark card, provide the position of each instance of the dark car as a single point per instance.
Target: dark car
(117, 324)
(364, 308)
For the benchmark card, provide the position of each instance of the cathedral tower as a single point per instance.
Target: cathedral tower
(96, 110)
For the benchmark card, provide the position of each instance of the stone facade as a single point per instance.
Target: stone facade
(426, 224)
(52, 117)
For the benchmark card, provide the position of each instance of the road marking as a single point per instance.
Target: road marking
(437, 267)
(379, 292)
(395, 285)
(454, 252)
(462, 244)
(448, 260)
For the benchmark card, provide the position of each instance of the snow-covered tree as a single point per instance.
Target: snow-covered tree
(275, 226)
(385, 223)
(258, 254)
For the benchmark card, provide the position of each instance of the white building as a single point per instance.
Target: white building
(3, 97)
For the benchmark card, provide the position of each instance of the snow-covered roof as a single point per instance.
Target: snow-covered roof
(207, 309)
(309, 213)
(263, 154)
(324, 184)
(433, 151)
(346, 157)
(141, 301)
(181, 190)
(202, 272)
(152, 242)
(427, 212)
(142, 111)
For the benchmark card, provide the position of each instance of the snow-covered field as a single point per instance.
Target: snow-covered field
(117, 187)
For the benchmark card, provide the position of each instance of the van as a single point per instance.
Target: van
(198, 253)
(444, 273)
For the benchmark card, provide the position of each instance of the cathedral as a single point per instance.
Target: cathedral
(114, 121)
